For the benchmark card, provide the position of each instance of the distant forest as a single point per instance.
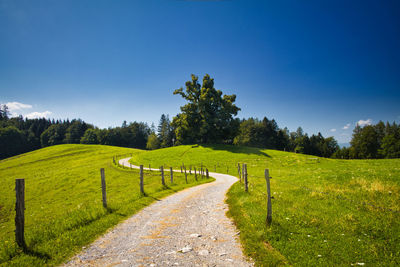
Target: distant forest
(207, 118)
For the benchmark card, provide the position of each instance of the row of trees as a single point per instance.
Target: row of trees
(19, 135)
(373, 141)
(267, 134)
(207, 117)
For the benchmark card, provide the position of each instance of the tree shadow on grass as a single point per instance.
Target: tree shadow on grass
(238, 149)
(36, 254)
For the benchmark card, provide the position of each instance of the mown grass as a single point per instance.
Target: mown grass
(64, 202)
(325, 211)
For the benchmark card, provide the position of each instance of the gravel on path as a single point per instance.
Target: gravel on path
(188, 228)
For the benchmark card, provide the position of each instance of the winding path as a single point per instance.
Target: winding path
(188, 228)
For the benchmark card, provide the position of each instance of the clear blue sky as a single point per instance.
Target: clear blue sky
(317, 64)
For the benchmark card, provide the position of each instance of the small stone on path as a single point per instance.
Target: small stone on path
(203, 252)
(195, 235)
(186, 249)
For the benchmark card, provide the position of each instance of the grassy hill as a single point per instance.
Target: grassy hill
(64, 203)
(325, 211)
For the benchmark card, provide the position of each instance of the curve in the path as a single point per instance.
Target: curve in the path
(188, 228)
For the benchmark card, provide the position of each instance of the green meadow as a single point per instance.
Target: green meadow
(325, 211)
(63, 200)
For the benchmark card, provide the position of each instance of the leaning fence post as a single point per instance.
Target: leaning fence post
(269, 203)
(141, 180)
(246, 186)
(185, 175)
(172, 175)
(20, 212)
(103, 187)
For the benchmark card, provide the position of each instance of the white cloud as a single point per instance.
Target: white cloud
(14, 106)
(347, 126)
(17, 108)
(37, 115)
(364, 122)
(333, 130)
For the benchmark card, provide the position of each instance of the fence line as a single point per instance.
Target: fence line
(20, 194)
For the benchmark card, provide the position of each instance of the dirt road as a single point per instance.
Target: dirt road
(189, 228)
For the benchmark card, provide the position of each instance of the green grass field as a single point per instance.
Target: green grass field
(325, 211)
(64, 202)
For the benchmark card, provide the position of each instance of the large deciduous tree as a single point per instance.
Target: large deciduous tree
(208, 115)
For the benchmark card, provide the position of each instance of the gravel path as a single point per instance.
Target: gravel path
(188, 228)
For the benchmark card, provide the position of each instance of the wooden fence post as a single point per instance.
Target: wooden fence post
(195, 174)
(162, 175)
(207, 173)
(269, 203)
(172, 175)
(190, 170)
(181, 170)
(141, 180)
(185, 175)
(103, 187)
(130, 165)
(202, 173)
(20, 212)
(240, 175)
(246, 186)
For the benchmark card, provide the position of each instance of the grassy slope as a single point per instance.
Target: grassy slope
(318, 211)
(63, 200)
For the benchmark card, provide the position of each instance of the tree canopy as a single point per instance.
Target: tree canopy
(208, 115)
